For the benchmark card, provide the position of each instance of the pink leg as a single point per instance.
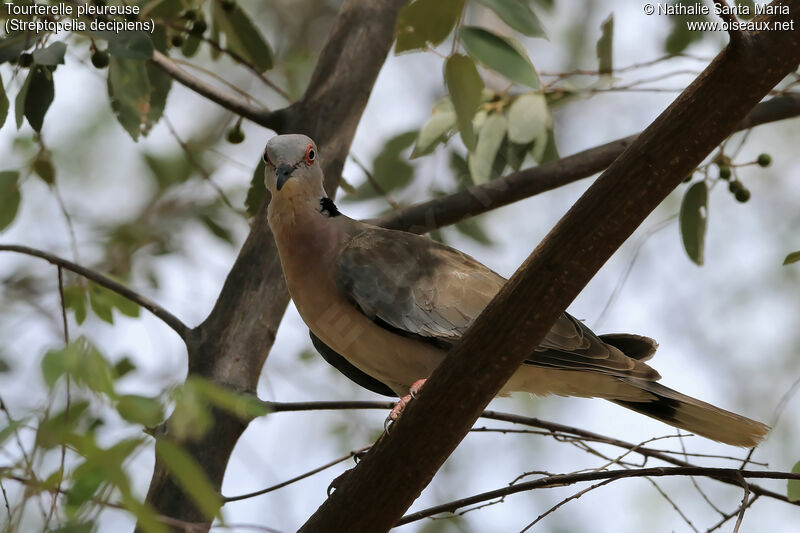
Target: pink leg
(400, 406)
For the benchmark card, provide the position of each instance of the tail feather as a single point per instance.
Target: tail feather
(684, 412)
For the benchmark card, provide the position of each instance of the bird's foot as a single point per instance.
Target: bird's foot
(400, 406)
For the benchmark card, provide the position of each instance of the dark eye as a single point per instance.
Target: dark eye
(311, 154)
(266, 158)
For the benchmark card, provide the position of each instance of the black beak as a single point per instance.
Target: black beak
(283, 172)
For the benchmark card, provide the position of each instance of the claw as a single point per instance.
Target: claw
(400, 406)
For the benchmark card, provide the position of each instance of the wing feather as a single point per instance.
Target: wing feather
(418, 287)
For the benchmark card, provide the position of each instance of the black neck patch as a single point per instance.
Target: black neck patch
(328, 208)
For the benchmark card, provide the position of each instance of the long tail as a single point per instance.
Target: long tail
(684, 412)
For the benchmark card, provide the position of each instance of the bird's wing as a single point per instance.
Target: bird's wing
(417, 287)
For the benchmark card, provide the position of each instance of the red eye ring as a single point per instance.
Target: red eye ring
(311, 155)
(265, 157)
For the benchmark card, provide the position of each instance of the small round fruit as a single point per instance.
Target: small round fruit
(177, 40)
(764, 160)
(25, 59)
(235, 135)
(735, 186)
(100, 59)
(198, 27)
(725, 173)
(742, 195)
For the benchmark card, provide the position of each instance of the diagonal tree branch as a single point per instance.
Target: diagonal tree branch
(732, 475)
(269, 119)
(438, 212)
(385, 483)
(168, 318)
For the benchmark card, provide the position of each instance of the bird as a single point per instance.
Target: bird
(384, 306)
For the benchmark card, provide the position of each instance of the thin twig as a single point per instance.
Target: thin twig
(168, 318)
(277, 407)
(201, 169)
(743, 508)
(570, 479)
(673, 504)
(65, 325)
(565, 500)
(728, 516)
(266, 118)
(295, 479)
(375, 185)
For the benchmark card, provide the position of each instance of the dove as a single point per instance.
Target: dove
(384, 307)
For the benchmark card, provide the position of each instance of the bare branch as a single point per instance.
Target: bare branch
(446, 210)
(295, 479)
(269, 119)
(168, 318)
(560, 480)
(552, 428)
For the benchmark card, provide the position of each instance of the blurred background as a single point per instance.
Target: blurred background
(729, 331)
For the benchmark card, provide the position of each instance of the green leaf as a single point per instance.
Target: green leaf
(490, 139)
(3, 103)
(191, 417)
(9, 430)
(44, 168)
(191, 45)
(693, 218)
(40, 93)
(60, 428)
(244, 406)
(52, 55)
(129, 89)
(518, 15)
(169, 169)
(190, 477)
(12, 45)
(466, 87)
(160, 83)
(681, 36)
(390, 168)
(471, 227)
(75, 299)
(604, 48)
(793, 257)
(528, 118)
(122, 304)
(460, 169)
(436, 129)
(516, 153)
(19, 101)
(257, 191)
(126, 44)
(81, 360)
(426, 22)
(242, 36)
(123, 367)
(101, 304)
(9, 197)
(793, 485)
(140, 410)
(216, 229)
(545, 149)
(501, 54)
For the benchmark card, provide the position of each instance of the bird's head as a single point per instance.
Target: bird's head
(292, 167)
